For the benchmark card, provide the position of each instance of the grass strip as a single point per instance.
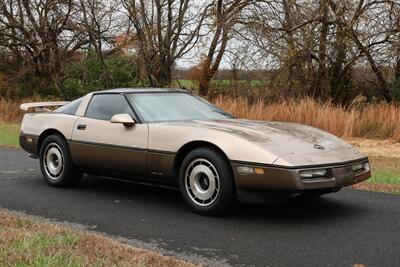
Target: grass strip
(28, 242)
(9, 134)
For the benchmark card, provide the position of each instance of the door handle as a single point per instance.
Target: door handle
(81, 127)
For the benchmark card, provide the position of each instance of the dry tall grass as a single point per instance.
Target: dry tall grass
(373, 121)
(9, 110)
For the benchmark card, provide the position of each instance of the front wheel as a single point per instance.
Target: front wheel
(56, 164)
(206, 182)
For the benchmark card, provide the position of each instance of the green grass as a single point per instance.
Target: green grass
(382, 180)
(43, 250)
(385, 177)
(190, 84)
(9, 134)
(25, 243)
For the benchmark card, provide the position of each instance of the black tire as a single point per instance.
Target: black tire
(223, 199)
(56, 163)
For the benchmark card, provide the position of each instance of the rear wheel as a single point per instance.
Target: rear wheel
(55, 162)
(206, 182)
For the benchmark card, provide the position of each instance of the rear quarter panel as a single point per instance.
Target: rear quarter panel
(35, 124)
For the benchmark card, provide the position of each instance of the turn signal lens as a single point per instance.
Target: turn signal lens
(250, 170)
(259, 170)
(313, 173)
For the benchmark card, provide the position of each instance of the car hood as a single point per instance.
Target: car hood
(293, 144)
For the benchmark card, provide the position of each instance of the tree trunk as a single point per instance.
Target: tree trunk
(106, 74)
(204, 85)
(321, 85)
(397, 67)
(165, 75)
(209, 67)
(289, 39)
(225, 15)
(338, 74)
(384, 90)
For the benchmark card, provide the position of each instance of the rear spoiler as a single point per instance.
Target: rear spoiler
(42, 106)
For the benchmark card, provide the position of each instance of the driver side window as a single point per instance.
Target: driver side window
(104, 106)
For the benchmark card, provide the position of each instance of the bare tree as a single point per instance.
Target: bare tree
(395, 41)
(284, 31)
(397, 63)
(322, 79)
(367, 32)
(41, 33)
(313, 46)
(224, 16)
(165, 30)
(310, 47)
(101, 23)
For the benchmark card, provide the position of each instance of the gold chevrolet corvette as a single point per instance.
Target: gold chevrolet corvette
(173, 137)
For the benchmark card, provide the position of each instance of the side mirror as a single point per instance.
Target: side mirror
(125, 119)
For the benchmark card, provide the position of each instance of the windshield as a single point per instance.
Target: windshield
(159, 107)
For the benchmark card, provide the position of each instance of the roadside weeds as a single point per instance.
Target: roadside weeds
(25, 241)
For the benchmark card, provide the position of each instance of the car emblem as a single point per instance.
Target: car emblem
(319, 147)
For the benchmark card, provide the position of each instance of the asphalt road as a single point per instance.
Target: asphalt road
(342, 229)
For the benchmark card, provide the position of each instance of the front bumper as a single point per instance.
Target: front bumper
(288, 179)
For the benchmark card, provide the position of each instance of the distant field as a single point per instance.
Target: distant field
(194, 85)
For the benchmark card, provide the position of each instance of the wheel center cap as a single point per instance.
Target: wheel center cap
(204, 182)
(55, 160)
